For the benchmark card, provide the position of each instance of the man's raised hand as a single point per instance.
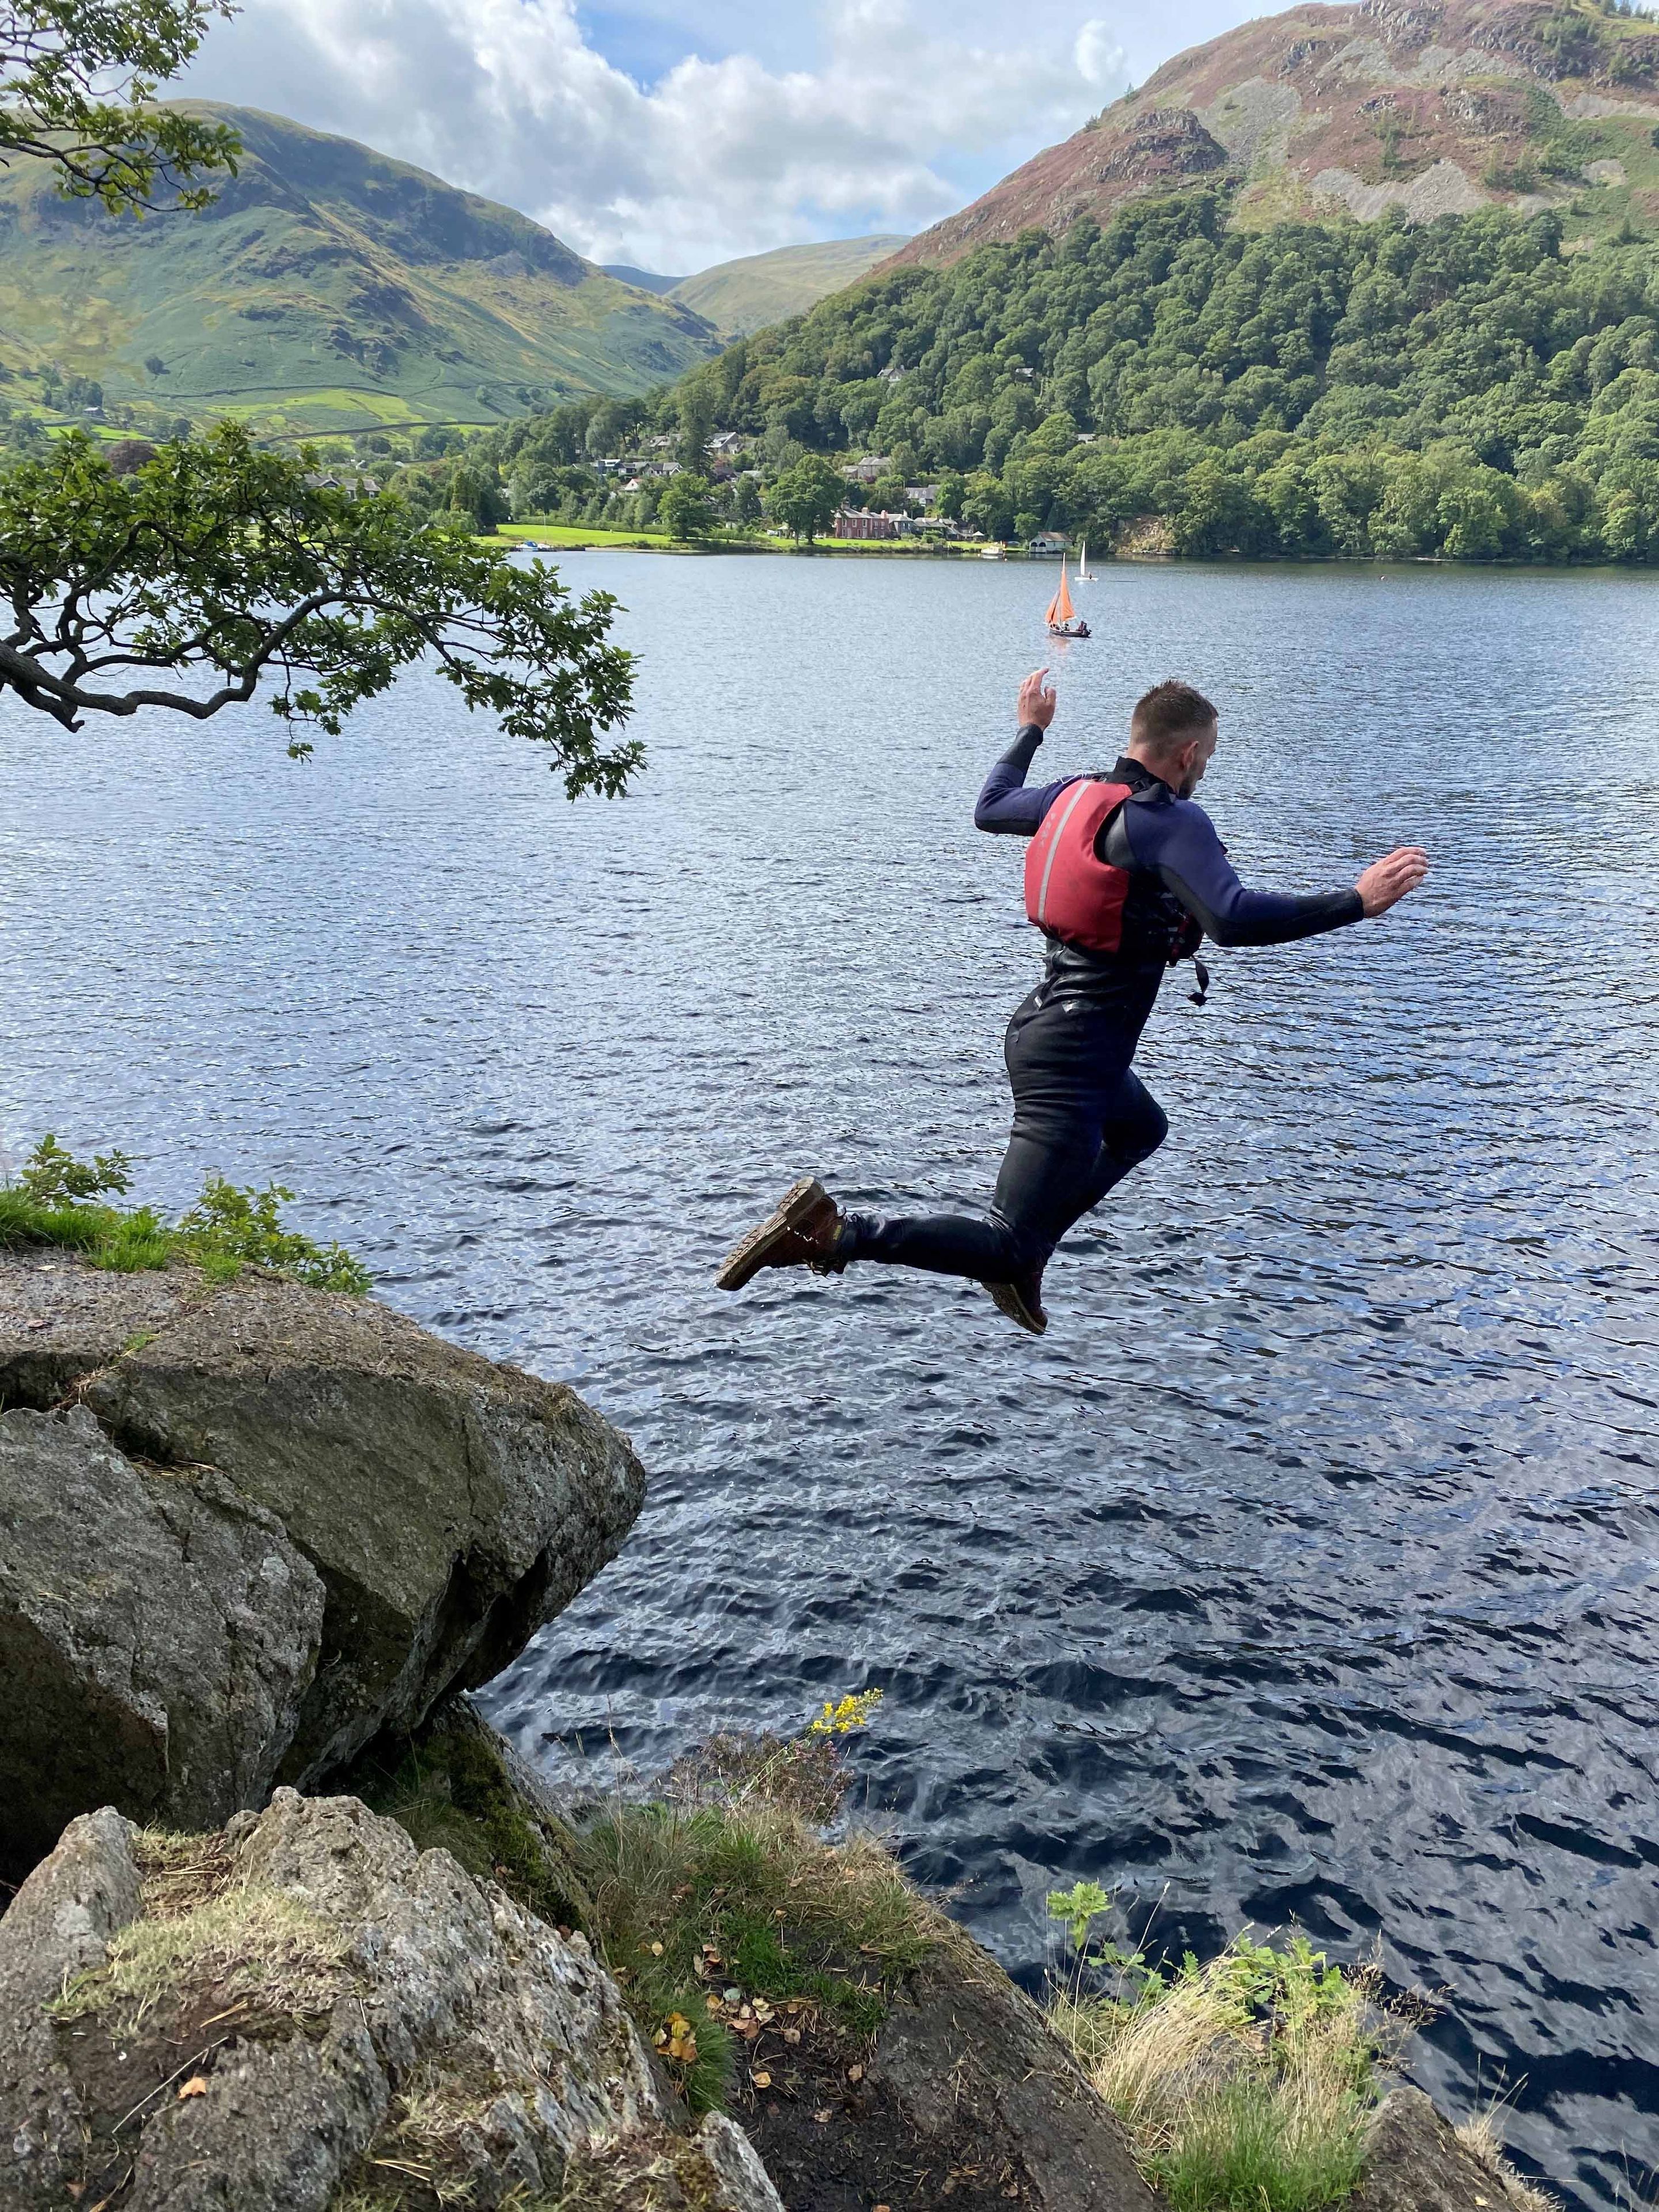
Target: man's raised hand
(1037, 703)
(1386, 881)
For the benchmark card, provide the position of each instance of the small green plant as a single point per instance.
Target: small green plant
(54, 1175)
(59, 1200)
(1080, 1906)
(227, 1226)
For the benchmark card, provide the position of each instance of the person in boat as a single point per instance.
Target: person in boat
(1125, 876)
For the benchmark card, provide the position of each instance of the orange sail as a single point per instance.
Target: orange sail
(1061, 609)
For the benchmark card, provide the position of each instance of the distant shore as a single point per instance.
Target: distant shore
(574, 537)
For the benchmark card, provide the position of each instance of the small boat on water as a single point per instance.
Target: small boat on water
(1062, 616)
(1083, 575)
(994, 552)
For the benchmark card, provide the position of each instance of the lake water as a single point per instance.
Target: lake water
(1307, 1569)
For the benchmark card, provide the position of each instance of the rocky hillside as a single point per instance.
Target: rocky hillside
(328, 287)
(1438, 107)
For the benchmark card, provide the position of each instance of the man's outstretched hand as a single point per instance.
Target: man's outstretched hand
(1036, 703)
(1385, 882)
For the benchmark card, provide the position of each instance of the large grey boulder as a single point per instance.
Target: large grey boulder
(157, 1634)
(304, 2010)
(448, 1506)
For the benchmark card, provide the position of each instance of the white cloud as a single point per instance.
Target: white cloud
(898, 111)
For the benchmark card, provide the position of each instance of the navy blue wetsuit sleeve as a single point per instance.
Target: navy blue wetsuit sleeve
(1005, 805)
(1178, 844)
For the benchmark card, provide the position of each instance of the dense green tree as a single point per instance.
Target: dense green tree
(688, 507)
(216, 569)
(475, 493)
(746, 500)
(804, 498)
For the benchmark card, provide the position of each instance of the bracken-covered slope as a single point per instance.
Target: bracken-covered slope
(328, 287)
(1439, 106)
(740, 296)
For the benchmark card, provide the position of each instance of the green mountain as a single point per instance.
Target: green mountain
(328, 289)
(739, 296)
(645, 279)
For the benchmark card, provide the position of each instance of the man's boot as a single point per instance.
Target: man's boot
(804, 1232)
(1021, 1301)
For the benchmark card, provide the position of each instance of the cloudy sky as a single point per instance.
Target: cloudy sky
(676, 133)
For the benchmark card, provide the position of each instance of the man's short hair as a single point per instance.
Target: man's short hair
(1168, 716)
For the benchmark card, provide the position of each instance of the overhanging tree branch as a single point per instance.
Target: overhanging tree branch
(78, 85)
(218, 559)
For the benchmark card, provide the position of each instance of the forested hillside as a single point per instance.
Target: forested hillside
(1462, 388)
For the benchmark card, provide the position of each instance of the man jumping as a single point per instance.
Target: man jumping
(1125, 876)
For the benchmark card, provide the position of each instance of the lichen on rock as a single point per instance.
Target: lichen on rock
(303, 2010)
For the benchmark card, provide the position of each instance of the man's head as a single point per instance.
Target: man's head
(1173, 733)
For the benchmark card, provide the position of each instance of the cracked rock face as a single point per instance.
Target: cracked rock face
(333, 1996)
(442, 1506)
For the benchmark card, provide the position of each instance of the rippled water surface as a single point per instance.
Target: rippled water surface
(1307, 1568)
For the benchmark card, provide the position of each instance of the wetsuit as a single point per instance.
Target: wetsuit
(1082, 1119)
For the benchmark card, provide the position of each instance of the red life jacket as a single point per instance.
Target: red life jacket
(1069, 892)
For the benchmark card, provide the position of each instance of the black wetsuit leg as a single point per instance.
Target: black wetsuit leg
(1082, 1121)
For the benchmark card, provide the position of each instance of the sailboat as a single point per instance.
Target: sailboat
(1083, 575)
(1062, 615)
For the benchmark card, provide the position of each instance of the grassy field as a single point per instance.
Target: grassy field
(572, 535)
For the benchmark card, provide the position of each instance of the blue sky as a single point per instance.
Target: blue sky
(675, 133)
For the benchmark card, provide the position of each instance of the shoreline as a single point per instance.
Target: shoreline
(527, 538)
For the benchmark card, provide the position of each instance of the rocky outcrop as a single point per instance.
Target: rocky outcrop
(965, 2052)
(1419, 2164)
(443, 1507)
(157, 1637)
(290, 2013)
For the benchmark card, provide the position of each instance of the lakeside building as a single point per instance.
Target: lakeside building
(868, 468)
(858, 522)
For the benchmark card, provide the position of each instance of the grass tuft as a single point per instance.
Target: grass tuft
(1480, 2136)
(250, 1947)
(688, 1902)
(1249, 2084)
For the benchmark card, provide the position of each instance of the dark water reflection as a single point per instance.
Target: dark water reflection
(1307, 1568)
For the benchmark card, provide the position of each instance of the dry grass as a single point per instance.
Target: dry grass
(201, 1933)
(1481, 2139)
(687, 1900)
(1247, 2084)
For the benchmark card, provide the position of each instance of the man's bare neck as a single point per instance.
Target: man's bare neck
(1153, 768)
